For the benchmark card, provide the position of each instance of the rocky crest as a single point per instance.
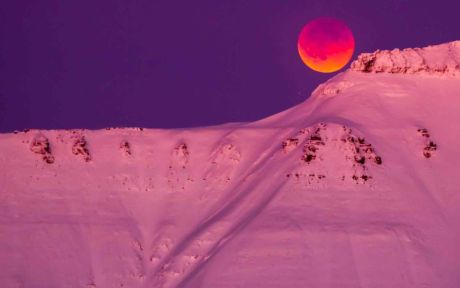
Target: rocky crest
(437, 59)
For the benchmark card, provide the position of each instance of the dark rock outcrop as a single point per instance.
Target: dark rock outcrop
(80, 148)
(41, 145)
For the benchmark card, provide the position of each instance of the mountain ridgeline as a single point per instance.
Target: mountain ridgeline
(355, 187)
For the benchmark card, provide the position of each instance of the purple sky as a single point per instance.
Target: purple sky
(93, 64)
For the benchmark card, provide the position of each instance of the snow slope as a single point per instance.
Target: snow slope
(355, 187)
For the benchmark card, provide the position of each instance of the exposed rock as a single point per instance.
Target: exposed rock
(226, 153)
(429, 146)
(41, 145)
(412, 60)
(322, 145)
(332, 88)
(362, 149)
(178, 176)
(429, 149)
(310, 178)
(312, 144)
(79, 147)
(125, 148)
(181, 154)
(290, 144)
(423, 132)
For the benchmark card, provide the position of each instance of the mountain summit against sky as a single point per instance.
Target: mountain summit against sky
(355, 187)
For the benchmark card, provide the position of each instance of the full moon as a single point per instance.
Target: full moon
(326, 44)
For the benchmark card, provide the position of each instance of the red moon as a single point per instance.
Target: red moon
(326, 44)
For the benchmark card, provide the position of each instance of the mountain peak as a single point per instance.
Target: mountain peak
(436, 59)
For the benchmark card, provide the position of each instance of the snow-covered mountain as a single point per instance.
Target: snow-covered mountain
(356, 187)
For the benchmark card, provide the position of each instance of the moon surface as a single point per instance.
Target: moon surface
(326, 44)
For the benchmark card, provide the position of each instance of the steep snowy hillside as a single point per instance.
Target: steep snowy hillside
(355, 187)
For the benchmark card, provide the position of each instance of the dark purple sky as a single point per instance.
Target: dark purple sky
(93, 64)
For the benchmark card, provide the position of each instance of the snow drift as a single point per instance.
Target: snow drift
(355, 187)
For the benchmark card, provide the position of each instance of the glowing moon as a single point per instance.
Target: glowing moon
(326, 44)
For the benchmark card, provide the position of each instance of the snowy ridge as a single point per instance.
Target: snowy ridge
(438, 59)
(355, 187)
